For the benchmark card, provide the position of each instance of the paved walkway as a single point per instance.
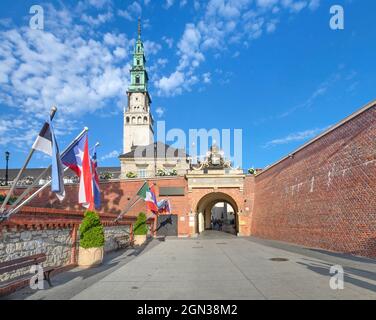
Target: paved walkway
(214, 266)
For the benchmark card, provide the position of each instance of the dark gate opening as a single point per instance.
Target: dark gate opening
(167, 225)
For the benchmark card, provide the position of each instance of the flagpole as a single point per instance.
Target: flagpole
(130, 206)
(15, 210)
(19, 199)
(52, 114)
(96, 145)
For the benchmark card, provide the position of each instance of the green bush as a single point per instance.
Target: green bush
(131, 175)
(91, 231)
(252, 171)
(140, 228)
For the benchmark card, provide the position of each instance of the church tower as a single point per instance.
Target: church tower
(138, 120)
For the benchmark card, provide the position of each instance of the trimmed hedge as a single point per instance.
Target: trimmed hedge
(140, 228)
(91, 231)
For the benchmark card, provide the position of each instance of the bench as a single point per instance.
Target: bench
(16, 264)
(122, 241)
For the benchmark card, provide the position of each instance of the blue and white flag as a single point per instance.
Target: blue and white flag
(46, 143)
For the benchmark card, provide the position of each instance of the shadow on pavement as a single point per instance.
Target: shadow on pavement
(324, 269)
(86, 277)
(344, 255)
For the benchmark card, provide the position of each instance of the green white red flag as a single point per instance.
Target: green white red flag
(147, 193)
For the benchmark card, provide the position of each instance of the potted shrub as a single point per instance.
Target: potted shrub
(91, 240)
(131, 175)
(252, 171)
(140, 229)
(161, 173)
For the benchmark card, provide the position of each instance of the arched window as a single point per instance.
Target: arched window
(127, 120)
(145, 120)
(138, 62)
(139, 120)
(133, 119)
(137, 79)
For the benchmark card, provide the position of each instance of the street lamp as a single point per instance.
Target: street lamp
(6, 168)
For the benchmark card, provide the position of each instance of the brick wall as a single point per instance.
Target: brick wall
(325, 196)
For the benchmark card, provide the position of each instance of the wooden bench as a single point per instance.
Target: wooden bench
(16, 264)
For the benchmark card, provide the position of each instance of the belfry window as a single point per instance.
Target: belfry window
(137, 79)
(138, 62)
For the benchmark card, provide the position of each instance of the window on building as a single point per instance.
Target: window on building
(127, 119)
(138, 62)
(137, 79)
(142, 173)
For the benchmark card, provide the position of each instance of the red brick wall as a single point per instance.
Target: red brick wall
(116, 195)
(325, 196)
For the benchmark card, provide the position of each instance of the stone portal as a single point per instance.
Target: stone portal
(216, 190)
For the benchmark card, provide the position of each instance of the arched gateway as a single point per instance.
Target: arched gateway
(217, 211)
(216, 194)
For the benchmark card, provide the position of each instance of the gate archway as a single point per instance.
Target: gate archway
(205, 213)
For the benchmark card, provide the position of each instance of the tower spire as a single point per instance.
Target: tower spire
(139, 28)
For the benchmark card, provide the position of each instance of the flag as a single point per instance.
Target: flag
(148, 195)
(95, 177)
(77, 158)
(46, 143)
(164, 206)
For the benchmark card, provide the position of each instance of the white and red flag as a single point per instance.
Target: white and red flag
(77, 158)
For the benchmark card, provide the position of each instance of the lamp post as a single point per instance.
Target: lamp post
(6, 168)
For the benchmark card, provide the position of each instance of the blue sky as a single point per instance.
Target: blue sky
(273, 68)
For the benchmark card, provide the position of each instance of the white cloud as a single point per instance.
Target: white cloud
(133, 11)
(189, 48)
(206, 77)
(171, 85)
(66, 65)
(169, 3)
(314, 4)
(169, 41)
(120, 52)
(99, 3)
(160, 112)
(317, 93)
(221, 24)
(294, 137)
(151, 47)
(98, 20)
(111, 155)
(271, 26)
